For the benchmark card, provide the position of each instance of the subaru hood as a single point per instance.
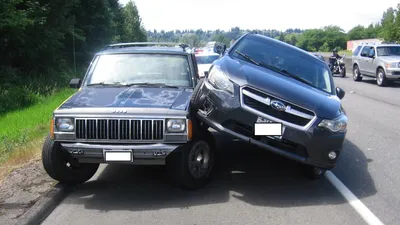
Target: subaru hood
(325, 105)
(135, 97)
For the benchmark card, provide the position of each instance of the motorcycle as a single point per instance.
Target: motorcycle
(337, 66)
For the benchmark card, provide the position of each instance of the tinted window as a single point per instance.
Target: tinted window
(206, 59)
(388, 50)
(286, 58)
(357, 51)
(139, 68)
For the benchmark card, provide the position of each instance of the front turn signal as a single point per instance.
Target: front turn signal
(52, 128)
(189, 130)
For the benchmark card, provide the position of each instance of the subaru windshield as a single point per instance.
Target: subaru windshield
(142, 69)
(310, 70)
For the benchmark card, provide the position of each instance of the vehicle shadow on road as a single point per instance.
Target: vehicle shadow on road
(352, 170)
(394, 84)
(244, 173)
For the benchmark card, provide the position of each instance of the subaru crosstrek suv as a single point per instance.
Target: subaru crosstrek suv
(278, 97)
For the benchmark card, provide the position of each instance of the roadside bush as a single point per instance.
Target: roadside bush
(19, 89)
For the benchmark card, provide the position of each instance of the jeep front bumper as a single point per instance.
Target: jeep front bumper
(140, 154)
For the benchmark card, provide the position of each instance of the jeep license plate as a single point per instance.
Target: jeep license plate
(268, 128)
(118, 155)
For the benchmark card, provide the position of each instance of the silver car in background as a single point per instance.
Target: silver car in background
(379, 61)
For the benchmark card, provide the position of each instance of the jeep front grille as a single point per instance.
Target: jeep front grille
(260, 102)
(119, 129)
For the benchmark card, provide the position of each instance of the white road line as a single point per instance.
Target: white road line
(364, 212)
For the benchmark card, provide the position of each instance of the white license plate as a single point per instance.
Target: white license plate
(118, 156)
(265, 127)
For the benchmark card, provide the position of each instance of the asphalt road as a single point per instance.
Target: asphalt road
(252, 186)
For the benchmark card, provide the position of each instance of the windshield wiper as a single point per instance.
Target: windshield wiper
(247, 57)
(104, 84)
(150, 85)
(297, 78)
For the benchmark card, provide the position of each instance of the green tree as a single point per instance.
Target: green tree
(133, 28)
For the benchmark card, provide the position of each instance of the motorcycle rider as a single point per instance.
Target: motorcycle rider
(333, 59)
(335, 54)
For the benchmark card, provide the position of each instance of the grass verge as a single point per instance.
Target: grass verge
(21, 131)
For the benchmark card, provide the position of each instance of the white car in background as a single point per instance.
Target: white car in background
(204, 61)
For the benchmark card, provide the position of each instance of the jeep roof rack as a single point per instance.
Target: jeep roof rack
(133, 44)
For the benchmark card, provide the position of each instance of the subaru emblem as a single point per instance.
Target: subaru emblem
(277, 105)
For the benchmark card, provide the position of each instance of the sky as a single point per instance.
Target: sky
(258, 14)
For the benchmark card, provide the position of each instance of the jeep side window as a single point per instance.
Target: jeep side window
(365, 50)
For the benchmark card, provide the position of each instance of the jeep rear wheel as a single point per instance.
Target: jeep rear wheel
(356, 74)
(192, 166)
(60, 166)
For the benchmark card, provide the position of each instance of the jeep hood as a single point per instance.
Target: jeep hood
(323, 104)
(172, 98)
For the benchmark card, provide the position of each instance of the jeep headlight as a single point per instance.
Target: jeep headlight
(65, 124)
(220, 80)
(176, 125)
(336, 125)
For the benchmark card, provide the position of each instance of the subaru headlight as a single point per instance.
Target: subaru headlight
(392, 65)
(220, 80)
(176, 125)
(336, 125)
(65, 124)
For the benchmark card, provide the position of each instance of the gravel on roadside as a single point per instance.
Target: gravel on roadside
(21, 189)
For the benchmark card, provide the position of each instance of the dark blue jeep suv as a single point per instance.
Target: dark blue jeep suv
(275, 96)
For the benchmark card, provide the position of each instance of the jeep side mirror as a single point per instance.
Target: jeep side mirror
(340, 92)
(75, 83)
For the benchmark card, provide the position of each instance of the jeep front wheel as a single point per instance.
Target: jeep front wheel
(191, 167)
(60, 166)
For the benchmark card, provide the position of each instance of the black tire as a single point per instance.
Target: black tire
(55, 160)
(194, 99)
(343, 72)
(179, 163)
(356, 73)
(381, 78)
(314, 173)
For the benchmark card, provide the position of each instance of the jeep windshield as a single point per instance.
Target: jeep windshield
(286, 61)
(154, 70)
(388, 51)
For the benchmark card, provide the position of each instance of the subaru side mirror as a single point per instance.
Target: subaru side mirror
(340, 92)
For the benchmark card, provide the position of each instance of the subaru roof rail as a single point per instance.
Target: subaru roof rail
(133, 44)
